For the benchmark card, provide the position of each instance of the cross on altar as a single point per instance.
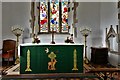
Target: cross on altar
(53, 42)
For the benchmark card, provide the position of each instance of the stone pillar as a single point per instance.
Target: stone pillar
(119, 26)
(119, 31)
(75, 20)
(32, 21)
(0, 25)
(0, 33)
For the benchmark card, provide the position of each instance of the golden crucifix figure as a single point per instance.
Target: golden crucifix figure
(28, 61)
(75, 60)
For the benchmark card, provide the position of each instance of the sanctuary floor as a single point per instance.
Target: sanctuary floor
(13, 73)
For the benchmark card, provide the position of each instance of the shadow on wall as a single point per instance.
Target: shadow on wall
(114, 59)
(26, 34)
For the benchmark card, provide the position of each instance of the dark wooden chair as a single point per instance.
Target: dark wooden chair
(8, 50)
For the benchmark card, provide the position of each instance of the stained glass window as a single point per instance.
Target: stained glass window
(43, 16)
(64, 16)
(53, 16)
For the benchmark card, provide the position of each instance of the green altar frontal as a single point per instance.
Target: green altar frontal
(54, 58)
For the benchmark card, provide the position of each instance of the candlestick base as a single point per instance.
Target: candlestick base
(86, 61)
(17, 61)
(52, 42)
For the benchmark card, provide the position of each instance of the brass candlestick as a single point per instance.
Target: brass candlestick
(85, 58)
(17, 31)
(85, 32)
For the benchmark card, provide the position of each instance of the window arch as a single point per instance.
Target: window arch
(53, 15)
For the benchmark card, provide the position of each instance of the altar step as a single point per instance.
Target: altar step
(55, 79)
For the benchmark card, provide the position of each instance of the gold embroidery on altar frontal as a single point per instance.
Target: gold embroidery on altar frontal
(51, 64)
(75, 60)
(28, 61)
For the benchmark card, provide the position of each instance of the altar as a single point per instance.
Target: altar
(51, 58)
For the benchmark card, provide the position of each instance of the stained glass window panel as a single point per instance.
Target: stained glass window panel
(54, 15)
(43, 16)
(64, 16)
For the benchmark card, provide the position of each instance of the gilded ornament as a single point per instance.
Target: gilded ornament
(51, 64)
(28, 61)
(75, 60)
